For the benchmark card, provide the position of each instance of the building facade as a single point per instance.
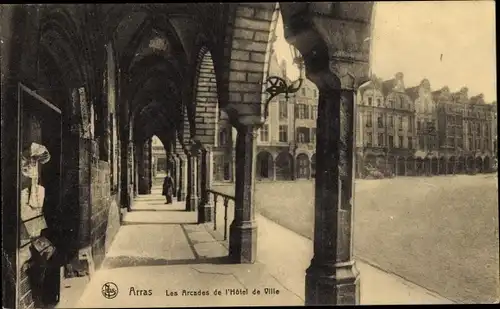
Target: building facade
(399, 131)
(285, 143)
(415, 131)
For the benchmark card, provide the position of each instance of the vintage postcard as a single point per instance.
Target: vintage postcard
(249, 154)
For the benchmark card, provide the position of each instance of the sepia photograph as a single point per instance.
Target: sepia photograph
(215, 154)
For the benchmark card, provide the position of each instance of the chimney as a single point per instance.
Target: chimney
(399, 82)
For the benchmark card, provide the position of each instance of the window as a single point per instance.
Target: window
(302, 111)
(283, 109)
(368, 119)
(410, 142)
(314, 112)
(283, 133)
(421, 142)
(400, 124)
(410, 124)
(264, 133)
(419, 125)
(391, 141)
(303, 135)
(380, 121)
(379, 102)
(381, 139)
(391, 121)
(313, 135)
(227, 171)
(369, 139)
(222, 137)
(370, 101)
(471, 144)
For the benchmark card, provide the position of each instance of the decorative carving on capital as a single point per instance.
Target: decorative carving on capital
(350, 75)
(348, 40)
(193, 147)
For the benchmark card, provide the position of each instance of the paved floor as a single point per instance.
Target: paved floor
(153, 254)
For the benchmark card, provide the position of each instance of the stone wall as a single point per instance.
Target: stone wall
(105, 219)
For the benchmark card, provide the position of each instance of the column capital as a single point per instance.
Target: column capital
(193, 147)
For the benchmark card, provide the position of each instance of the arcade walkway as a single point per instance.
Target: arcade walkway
(160, 247)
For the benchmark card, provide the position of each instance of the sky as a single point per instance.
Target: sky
(410, 37)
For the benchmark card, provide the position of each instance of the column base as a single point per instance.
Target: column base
(334, 284)
(191, 203)
(243, 242)
(205, 212)
(181, 196)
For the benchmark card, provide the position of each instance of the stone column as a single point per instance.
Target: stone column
(141, 169)
(233, 165)
(274, 170)
(192, 179)
(181, 188)
(243, 229)
(150, 165)
(332, 278)
(175, 172)
(205, 208)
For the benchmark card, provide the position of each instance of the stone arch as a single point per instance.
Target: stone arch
(479, 165)
(434, 166)
(401, 166)
(470, 164)
(206, 99)
(419, 166)
(442, 166)
(391, 165)
(370, 162)
(283, 166)
(461, 165)
(246, 58)
(427, 165)
(265, 168)
(303, 166)
(451, 166)
(313, 165)
(487, 164)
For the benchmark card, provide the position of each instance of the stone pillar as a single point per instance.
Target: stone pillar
(233, 165)
(243, 229)
(205, 208)
(181, 188)
(141, 170)
(175, 172)
(192, 178)
(332, 278)
(274, 170)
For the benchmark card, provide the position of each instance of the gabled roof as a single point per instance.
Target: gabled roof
(413, 92)
(387, 86)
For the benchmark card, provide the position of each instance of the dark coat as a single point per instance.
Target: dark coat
(168, 186)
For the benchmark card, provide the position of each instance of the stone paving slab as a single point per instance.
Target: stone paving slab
(159, 217)
(181, 256)
(377, 286)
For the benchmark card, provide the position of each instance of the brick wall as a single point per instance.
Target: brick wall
(206, 100)
(105, 219)
(249, 51)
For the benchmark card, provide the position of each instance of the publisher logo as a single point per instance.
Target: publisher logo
(109, 290)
